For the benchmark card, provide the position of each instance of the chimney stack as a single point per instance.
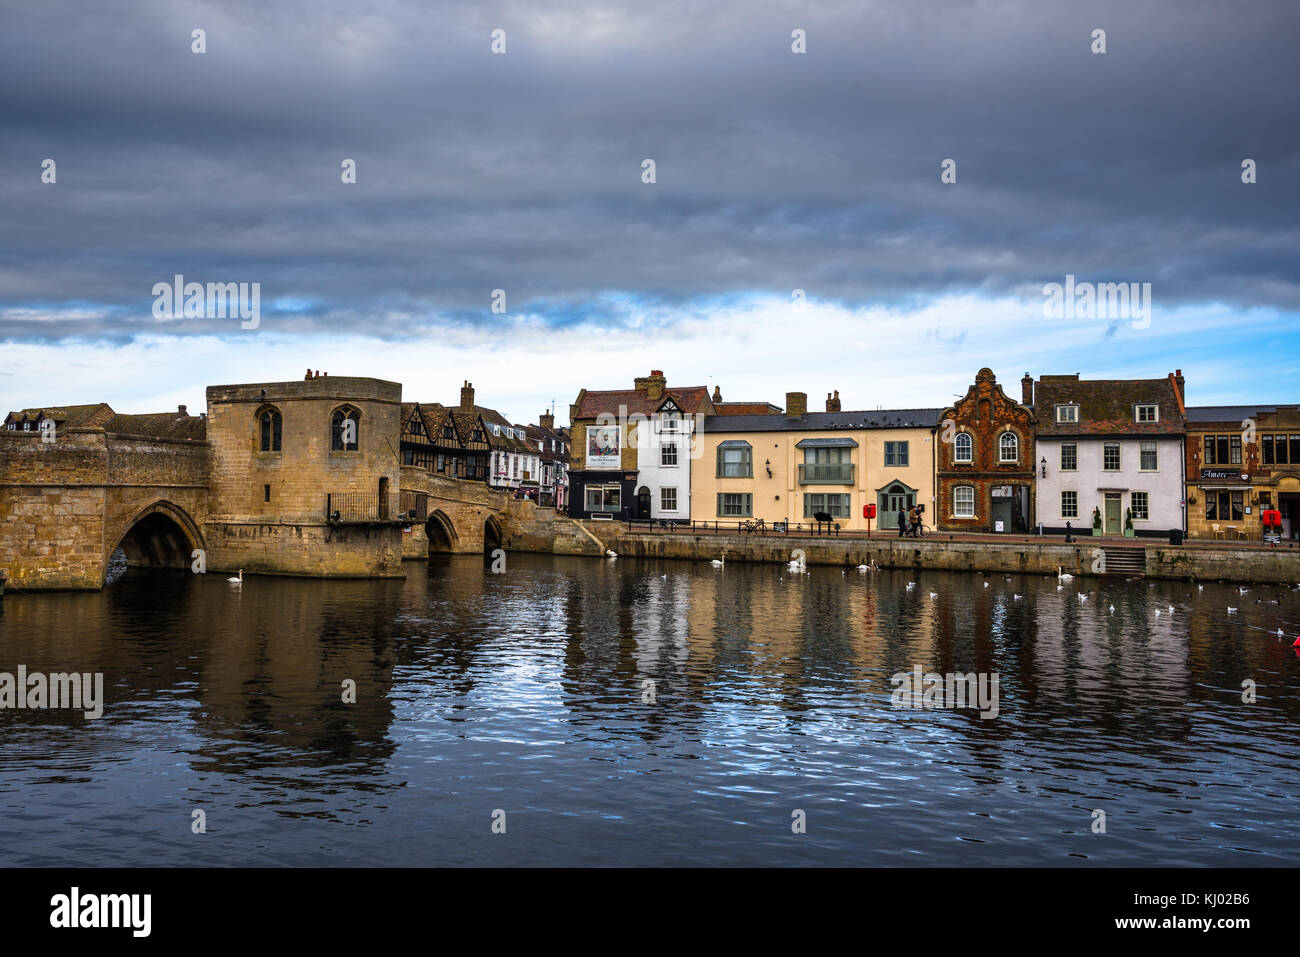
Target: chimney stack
(833, 402)
(717, 394)
(547, 421)
(467, 396)
(1178, 377)
(652, 385)
(181, 409)
(796, 405)
(1027, 390)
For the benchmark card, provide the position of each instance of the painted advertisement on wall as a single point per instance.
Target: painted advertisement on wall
(603, 447)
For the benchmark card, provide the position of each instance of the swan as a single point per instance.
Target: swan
(1060, 576)
(1112, 609)
(796, 565)
(1200, 588)
(1171, 609)
(986, 584)
(911, 585)
(1231, 610)
(718, 562)
(239, 580)
(1082, 597)
(864, 569)
(610, 553)
(1242, 591)
(1157, 612)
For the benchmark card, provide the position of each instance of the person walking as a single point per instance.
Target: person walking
(915, 517)
(902, 522)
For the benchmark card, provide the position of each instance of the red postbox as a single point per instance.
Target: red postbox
(869, 510)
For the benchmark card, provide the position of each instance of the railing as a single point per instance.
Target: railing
(360, 507)
(834, 474)
(743, 526)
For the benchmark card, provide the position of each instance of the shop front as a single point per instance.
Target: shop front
(603, 495)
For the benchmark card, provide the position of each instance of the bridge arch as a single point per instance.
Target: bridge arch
(491, 533)
(441, 532)
(160, 535)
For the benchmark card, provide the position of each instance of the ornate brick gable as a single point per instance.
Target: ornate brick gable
(985, 414)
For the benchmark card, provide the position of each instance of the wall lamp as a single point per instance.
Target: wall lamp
(768, 465)
(1044, 466)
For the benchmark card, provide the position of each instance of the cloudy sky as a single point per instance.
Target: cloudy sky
(522, 171)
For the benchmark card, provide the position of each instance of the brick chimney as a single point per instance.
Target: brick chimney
(180, 410)
(796, 405)
(1182, 393)
(467, 396)
(833, 402)
(1027, 390)
(717, 394)
(652, 385)
(547, 421)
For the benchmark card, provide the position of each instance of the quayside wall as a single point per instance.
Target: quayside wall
(1197, 563)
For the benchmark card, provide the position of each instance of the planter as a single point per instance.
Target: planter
(1096, 531)
(1130, 533)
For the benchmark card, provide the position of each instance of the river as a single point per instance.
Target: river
(652, 713)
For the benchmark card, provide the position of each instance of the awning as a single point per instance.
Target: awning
(838, 442)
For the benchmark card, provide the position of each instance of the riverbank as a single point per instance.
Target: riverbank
(1026, 556)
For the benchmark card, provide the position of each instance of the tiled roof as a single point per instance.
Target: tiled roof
(825, 421)
(160, 425)
(635, 401)
(71, 416)
(1226, 413)
(746, 408)
(1106, 406)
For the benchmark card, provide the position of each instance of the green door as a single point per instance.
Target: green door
(891, 500)
(1113, 526)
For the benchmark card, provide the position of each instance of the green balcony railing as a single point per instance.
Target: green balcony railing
(837, 474)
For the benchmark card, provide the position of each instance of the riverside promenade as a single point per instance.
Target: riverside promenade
(1196, 560)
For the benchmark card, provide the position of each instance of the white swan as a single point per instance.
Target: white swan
(239, 580)
(610, 553)
(1200, 588)
(1112, 609)
(1157, 612)
(1242, 591)
(797, 565)
(1065, 577)
(718, 562)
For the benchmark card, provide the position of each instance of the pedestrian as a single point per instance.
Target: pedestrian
(915, 516)
(902, 522)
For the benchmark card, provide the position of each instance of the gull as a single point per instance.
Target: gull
(1082, 597)
(1112, 609)
(1231, 610)
(1242, 591)
(1016, 597)
(934, 594)
(986, 584)
(1060, 588)
(911, 585)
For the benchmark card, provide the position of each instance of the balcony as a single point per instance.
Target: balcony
(837, 474)
(361, 508)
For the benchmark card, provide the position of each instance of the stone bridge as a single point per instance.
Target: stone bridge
(67, 506)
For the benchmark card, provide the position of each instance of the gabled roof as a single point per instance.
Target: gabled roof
(69, 416)
(632, 401)
(160, 425)
(1106, 406)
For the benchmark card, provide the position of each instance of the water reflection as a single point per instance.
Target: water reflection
(526, 692)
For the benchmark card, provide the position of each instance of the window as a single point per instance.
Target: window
(668, 453)
(895, 453)
(1295, 449)
(735, 505)
(1008, 447)
(1147, 413)
(1069, 457)
(963, 502)
(1141, 504)
(345, 430)
(478, 435)
(442, 462)
(416, 428)
(668, 500)
(266, 493)
(496, 430)
(1067, 413)
(602, 498)
(961, 447)
(837, 506)
(1110, 457)
(271, 430)
(1069, 505)
(448, 432)
(1223, 450)
(1149, 462)
(668, 422)
(1225, 506)
(735, 461)
(408, 457)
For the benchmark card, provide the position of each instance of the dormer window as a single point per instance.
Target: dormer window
(496, 430)
(1147, 413)
(1067, 413)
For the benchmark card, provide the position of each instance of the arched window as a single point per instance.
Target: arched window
(1008, 447)
(961, 447)
(963, 502)
(271, 429)
(345, 430)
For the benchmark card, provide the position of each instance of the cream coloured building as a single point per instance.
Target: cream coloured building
(787, 467)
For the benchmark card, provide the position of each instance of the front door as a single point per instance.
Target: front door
(1114, 525)
(643, 503)
(891, 502)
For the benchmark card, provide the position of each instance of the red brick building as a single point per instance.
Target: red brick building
(985, 460)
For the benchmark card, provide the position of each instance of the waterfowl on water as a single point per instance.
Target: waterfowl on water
(239, 580)
(1063, 576)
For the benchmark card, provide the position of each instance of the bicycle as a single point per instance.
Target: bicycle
(921, 531)
(759, 526)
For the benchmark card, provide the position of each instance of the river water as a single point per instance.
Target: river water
(523, 698)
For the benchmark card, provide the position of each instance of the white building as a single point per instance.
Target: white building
(664, 443)
(1111, 448)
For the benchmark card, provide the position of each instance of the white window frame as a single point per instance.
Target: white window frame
(663, 500)
(1064, 446)
(956, 509)
(1071, 407)
(667, 450)
(970, 449)
(1065, 515)
(1155, 452)
(1147, 497)
(1119, 457)
(1154, 409)
(1002, 452)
